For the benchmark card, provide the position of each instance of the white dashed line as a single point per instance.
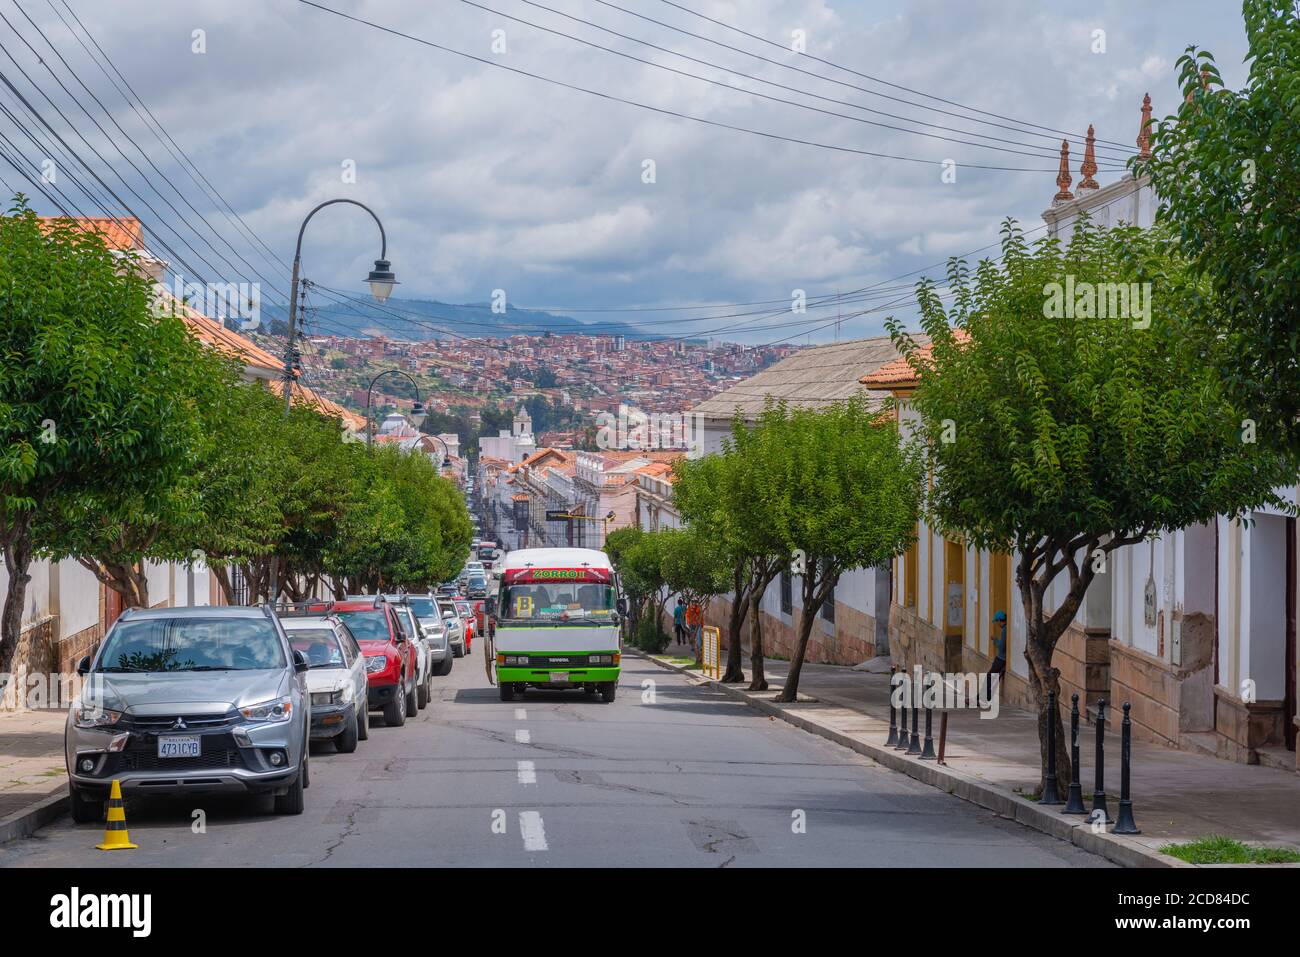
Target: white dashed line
(527, 774)
(521, 714)
(530, 826)
(522, 736)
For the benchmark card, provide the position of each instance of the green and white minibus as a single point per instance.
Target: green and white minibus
(557, 622)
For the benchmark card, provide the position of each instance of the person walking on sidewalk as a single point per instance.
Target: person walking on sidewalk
(695, 625)
(999, 665)
(679, 622)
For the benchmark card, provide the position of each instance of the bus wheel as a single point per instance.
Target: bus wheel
(607, 689)
(507, 691)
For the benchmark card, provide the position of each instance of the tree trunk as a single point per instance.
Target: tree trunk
(814, 596)
(739, 606)
(18, 559)
(223, 579)
(758, 681)
(1041, 636)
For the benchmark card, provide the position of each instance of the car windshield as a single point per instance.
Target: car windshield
(367, 625)
(320, 646)
(192, 644)
(423, 607)
(463, 608)
(557, 601)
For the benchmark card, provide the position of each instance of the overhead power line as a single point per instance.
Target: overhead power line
(766, 134)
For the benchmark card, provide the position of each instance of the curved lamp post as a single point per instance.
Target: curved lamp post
(381, 280)
(417, 410)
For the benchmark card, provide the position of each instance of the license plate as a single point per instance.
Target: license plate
(560, 676)
(179, 746)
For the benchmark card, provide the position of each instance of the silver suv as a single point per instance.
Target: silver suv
(182, 701)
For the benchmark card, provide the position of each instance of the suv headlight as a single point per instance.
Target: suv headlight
(91, 717)
(326, 697)
(376, 663)
(279, 709)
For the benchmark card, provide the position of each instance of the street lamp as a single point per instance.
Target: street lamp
(416, 410)
(381, 281)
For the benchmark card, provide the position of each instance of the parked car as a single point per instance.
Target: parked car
(447, 589)
(454, 626)
(466, 612)
(477, 587)
(187, 701)
(336, 678)
(424, 664)
(430, 619)
(471, 568)
(392, 665)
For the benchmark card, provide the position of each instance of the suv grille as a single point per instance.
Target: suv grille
(167, 722)
(216, 751)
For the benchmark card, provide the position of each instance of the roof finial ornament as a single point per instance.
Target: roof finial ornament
(1089, 167)
(1144, 133)
(1063, 178)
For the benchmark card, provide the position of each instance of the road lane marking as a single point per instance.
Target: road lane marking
(522, 736)
(521, 714)
(531, 827)
(527, 772)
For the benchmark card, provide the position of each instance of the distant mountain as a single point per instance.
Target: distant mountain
(430, 319)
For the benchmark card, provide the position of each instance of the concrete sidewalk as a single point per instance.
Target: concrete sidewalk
(33, 779)
(1177, 795)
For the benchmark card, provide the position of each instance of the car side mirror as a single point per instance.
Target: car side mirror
(83, 666)
(300, 662)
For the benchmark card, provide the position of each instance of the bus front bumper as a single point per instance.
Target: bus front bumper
(548, 675)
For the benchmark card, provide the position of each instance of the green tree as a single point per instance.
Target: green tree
(636, 556)
(1223, 172)
(698, 495)
(694, 565)
(112, 531)
(87, 384)
(754, 454)
(842, 493)
(1062, 438)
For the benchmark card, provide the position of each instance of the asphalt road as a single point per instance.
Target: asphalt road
(680, 778)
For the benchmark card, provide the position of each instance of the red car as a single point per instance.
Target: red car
(391, 662)
(473, 623)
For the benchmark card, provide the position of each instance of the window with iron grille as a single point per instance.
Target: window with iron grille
(787, 592)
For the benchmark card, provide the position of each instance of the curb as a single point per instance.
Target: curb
(1118, 850)
(30, 819)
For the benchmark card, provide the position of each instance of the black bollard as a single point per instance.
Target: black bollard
(901, 744)
(1099, 790)
(927, 751)
(1125, 824)
(914, 745)
(1050, 795)
(1075, 803)
(893, 717)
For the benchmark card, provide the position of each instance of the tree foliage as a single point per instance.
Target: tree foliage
(1062, 439)
(87, 385)
(1223, 169)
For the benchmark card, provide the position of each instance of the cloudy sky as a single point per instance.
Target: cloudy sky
(490, 179)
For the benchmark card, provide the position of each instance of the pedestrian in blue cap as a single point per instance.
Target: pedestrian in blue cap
(999, 665)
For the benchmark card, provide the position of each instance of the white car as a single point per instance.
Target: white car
(454, 626)
(336, 679)
(424, 657)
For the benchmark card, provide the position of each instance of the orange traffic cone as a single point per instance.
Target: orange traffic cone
(115, 836)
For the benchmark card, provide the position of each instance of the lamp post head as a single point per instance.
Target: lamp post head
(382, 280)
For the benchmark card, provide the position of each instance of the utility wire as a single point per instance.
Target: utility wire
(656, 109)
(865, 76)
